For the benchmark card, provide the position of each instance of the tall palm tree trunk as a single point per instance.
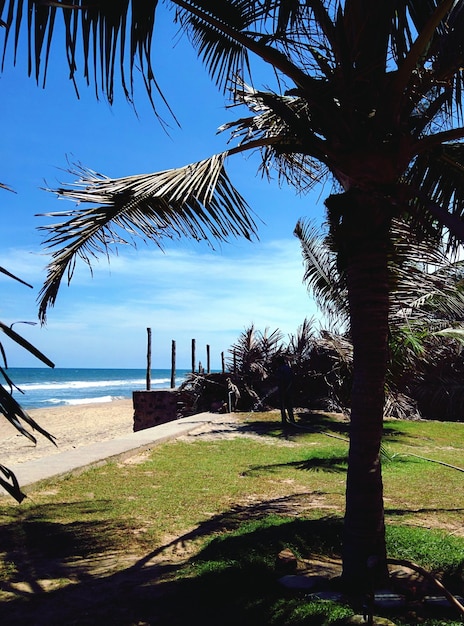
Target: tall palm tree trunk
(364, 236)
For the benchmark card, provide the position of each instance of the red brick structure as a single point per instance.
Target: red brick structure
(154, 407)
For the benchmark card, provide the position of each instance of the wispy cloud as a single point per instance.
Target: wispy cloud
(181, 295)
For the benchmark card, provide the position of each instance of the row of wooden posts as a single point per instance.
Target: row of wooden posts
(201, 369)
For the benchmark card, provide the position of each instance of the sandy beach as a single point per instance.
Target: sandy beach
(72, 427)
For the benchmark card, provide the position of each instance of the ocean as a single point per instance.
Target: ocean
(46, 387)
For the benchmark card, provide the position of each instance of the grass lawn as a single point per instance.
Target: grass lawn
(190, 532)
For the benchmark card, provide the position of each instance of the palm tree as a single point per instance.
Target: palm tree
(367, 92)
(253, 353)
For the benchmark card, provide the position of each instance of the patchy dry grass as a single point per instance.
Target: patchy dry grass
(105, 544)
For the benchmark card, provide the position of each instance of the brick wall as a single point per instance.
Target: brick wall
(154, 407)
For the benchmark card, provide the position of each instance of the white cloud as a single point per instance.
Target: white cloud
(181, 295)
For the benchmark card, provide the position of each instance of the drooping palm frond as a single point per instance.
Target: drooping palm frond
(212, 29)
(453, 333)
(321, 274)
(436, 179)
(10, 484)
(436, 309)
(9, 407)
(14, 336)
(22, 421)
(10, 275)
(426, 284)
(15, 414)
(196, 201)
(103, 39)
(117, 36)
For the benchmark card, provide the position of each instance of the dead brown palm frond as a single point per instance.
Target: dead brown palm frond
(340, 346)
(196, 201)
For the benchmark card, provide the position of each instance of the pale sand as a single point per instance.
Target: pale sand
(72, 426)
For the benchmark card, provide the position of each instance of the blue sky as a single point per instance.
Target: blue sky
(188, 291)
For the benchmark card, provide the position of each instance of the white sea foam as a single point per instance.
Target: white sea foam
(100, 399)
(43, 387)
(85, 384)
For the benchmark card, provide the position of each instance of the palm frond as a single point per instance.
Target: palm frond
(341, 347)
(285, 14)
(10, 484)
(427, 25)
(425, 282)
(211, 31)
(116, 38)
(321, 274)
(270, 343)
(447, 51)
(301, 343)
(14, 336)
(10, 275)
(254, 351)
(196, 201)
(281, 127)
(437, 176)
(452, 333)
(15, 414)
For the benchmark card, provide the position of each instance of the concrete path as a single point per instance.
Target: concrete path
(76, 460)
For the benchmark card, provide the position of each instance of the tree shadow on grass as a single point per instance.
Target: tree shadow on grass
(335, 424)
(391, 512)
(306, 423)
(154, 589)
(232, 579)
(315, 421)
(331, 464)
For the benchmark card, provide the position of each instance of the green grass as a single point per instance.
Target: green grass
(204, 521)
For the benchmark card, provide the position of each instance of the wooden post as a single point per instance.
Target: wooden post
(193, 356)
(173, 364)
(148, 359)
(223, 363)
(208, 362)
